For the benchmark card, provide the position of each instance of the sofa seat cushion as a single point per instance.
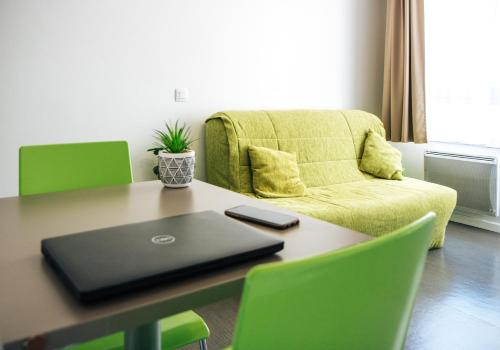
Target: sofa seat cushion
(376, 206)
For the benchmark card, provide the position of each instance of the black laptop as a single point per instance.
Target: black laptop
(101, 263)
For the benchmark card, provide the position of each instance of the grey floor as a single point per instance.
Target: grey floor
(458, 306)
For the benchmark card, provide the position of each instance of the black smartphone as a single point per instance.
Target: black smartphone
(263, 217)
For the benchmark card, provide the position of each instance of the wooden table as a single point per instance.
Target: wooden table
(35, 308)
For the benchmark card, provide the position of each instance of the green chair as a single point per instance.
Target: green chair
(64, 167)
(177, 331)
(360, 297)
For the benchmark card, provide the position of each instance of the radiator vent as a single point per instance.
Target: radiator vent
(475, 178)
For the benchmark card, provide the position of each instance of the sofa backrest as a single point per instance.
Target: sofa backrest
(328, 144)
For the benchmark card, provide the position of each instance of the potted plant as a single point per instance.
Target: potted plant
(175, 158)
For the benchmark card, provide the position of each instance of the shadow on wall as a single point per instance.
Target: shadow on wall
(368, 53)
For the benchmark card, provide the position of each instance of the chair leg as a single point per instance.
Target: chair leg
(203, 344)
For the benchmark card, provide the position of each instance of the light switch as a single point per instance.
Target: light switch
(181, 95)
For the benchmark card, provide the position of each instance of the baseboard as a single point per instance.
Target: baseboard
(485, 222)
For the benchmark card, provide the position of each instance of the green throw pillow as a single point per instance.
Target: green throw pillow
(275, 173)
(380, 158)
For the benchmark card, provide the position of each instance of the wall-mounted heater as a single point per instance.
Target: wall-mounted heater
(475, 178)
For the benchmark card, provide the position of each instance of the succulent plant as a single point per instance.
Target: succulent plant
(175, 139)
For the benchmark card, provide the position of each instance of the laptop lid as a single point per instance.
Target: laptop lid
(105, 262)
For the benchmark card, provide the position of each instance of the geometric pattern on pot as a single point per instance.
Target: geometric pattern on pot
(176, 172)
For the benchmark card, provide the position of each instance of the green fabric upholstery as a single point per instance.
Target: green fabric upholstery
(63, 167)
(376, 206)
(325, 147)
(380, 158)
(275, 174)
(356, 298)
(329, 146)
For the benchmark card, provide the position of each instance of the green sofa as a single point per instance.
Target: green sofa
(329, 145)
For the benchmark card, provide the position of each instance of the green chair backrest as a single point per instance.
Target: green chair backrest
(63, 167)
(360, 297)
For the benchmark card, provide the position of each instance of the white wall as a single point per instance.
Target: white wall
(75, 70)
(413, 158)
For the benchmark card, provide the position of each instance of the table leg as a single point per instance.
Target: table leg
(145, 337)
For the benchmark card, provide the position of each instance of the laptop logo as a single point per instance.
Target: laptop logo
(163, 239)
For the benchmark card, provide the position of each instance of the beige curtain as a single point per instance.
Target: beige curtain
(403, 108)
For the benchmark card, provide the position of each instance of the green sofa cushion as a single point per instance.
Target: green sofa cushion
(380, 158)
(275, 173)
(376, 206)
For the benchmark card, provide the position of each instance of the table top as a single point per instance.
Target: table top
(34, 304)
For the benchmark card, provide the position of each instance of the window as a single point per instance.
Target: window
(463, 71)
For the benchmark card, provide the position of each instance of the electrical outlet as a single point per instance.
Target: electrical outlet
(181, 95)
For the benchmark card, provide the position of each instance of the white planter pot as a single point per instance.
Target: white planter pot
(176, 169)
